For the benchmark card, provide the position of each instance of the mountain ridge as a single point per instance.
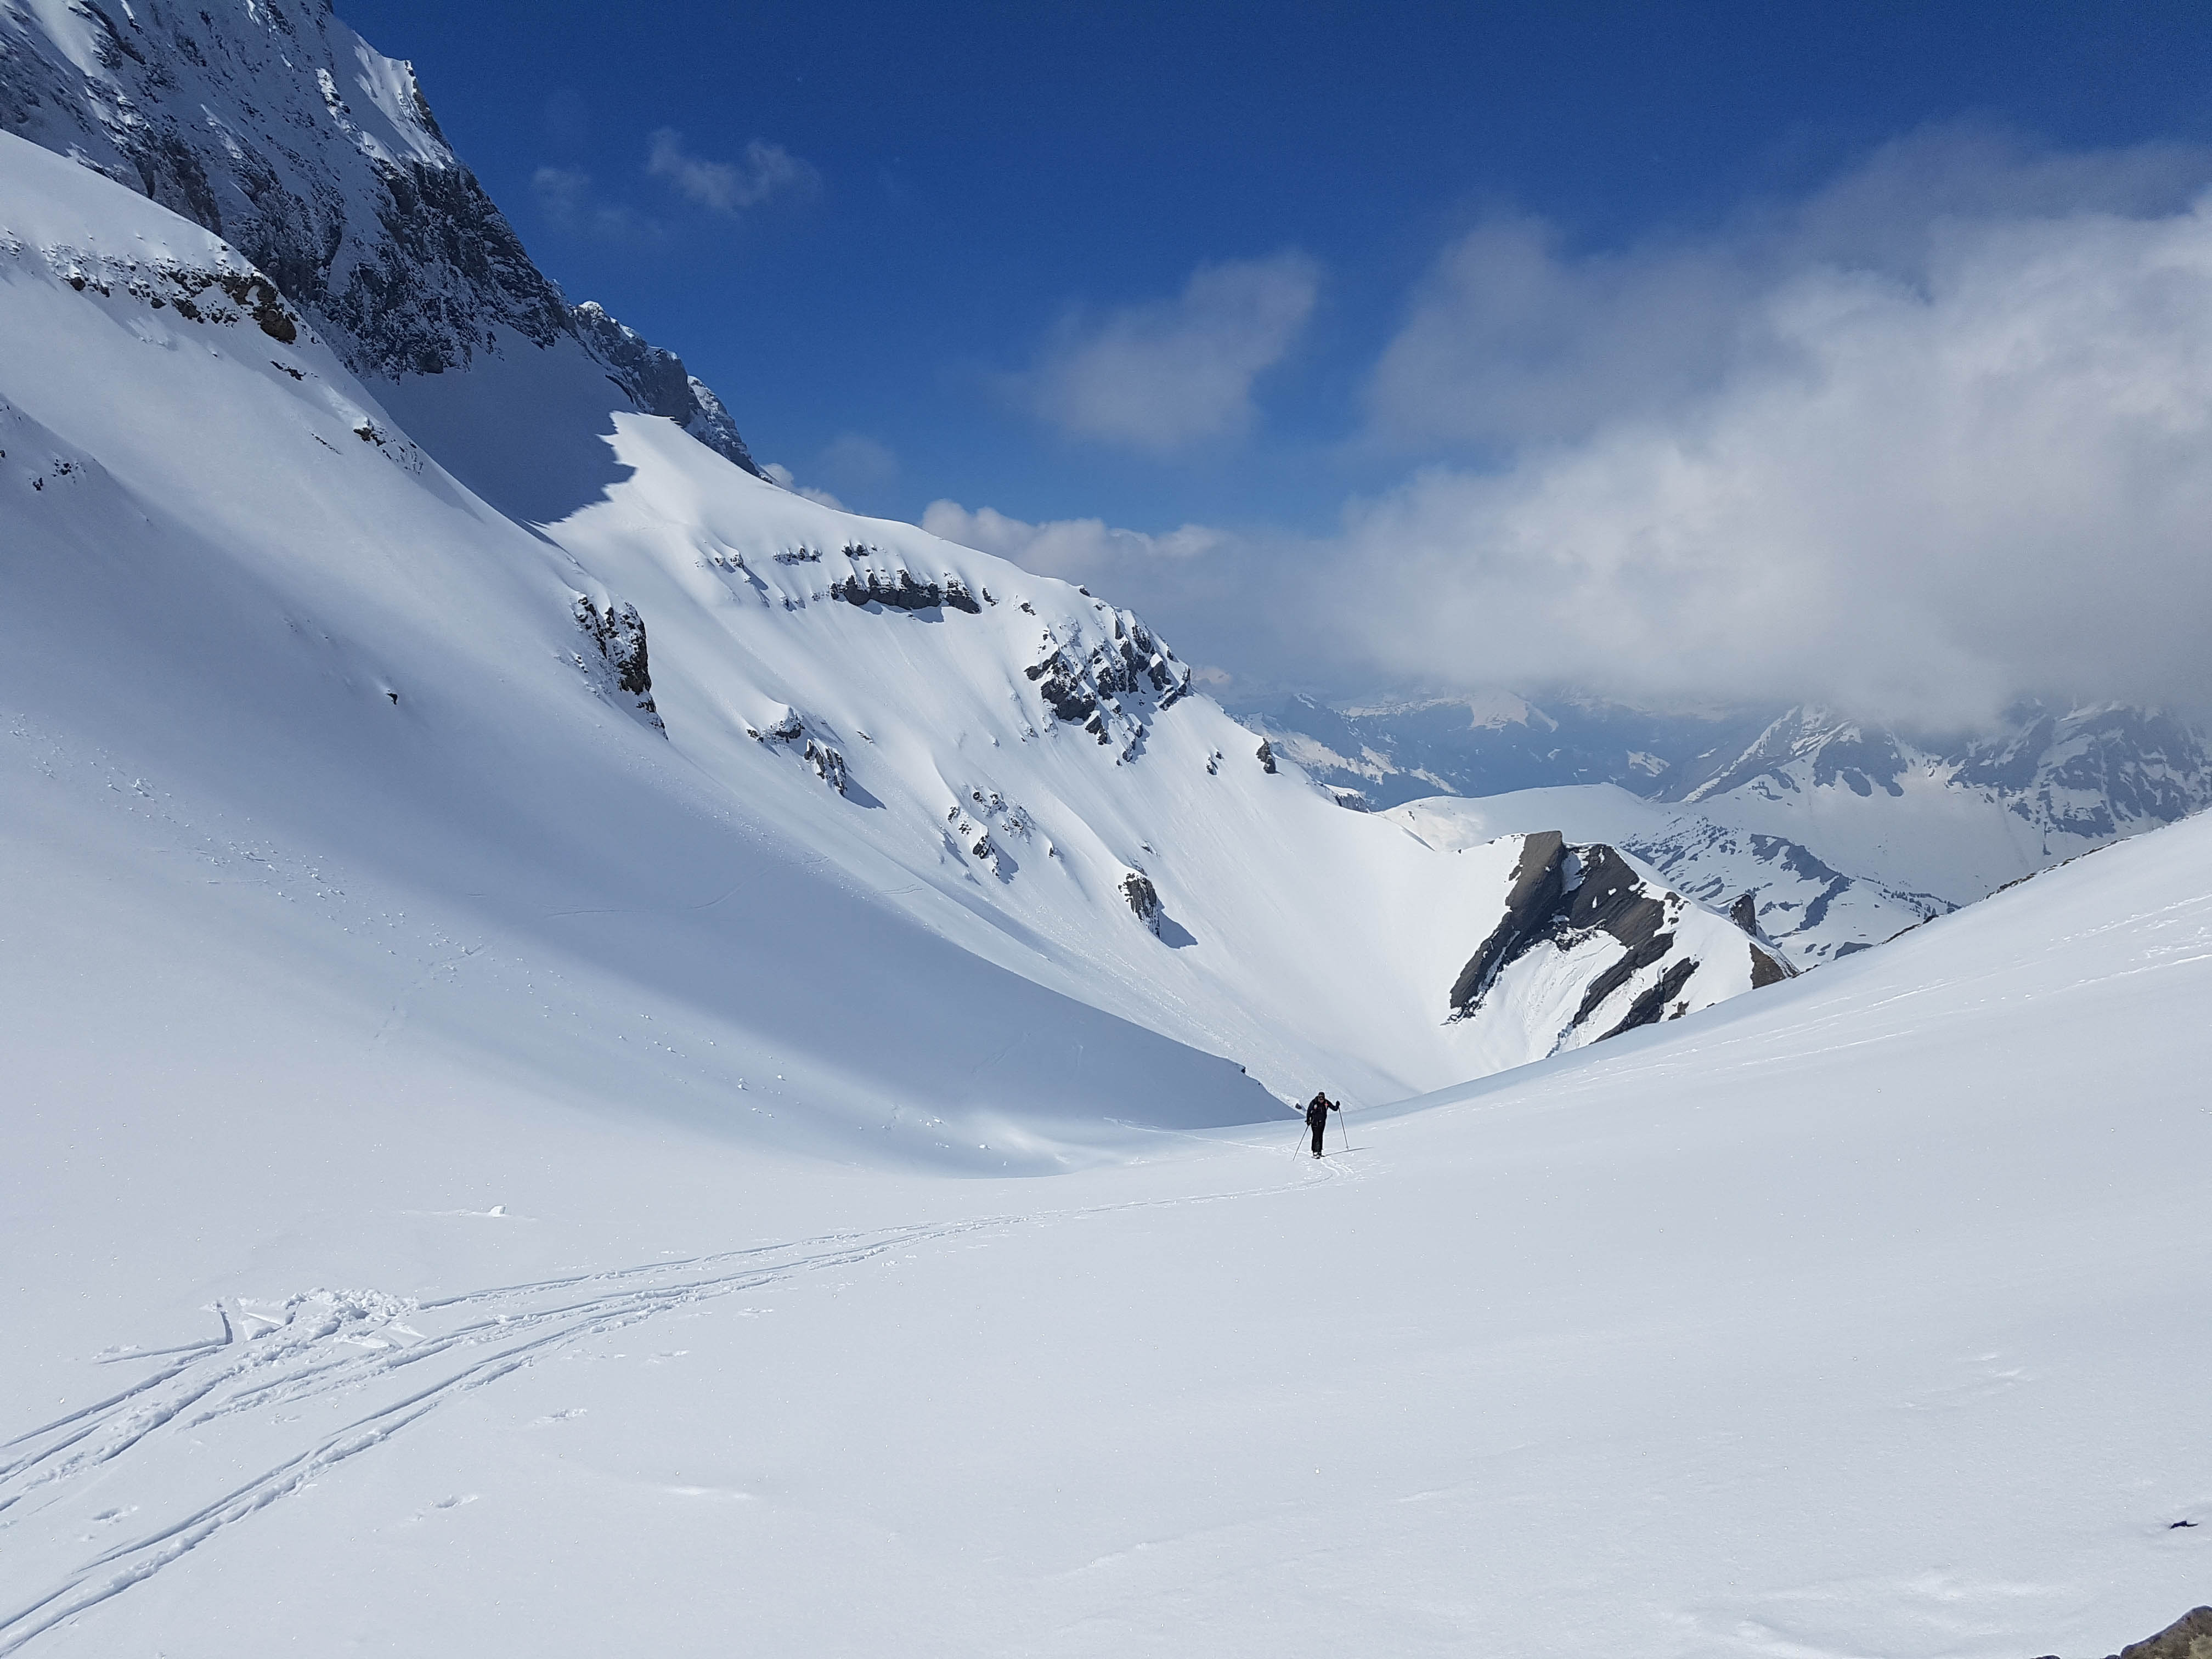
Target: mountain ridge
(320, 160)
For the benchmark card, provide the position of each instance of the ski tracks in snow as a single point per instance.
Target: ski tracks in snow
(252, 1396)
(383, 1362)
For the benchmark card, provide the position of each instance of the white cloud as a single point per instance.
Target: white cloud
(766, 170)
(777, 472)
(1939, 437)
(566, 201)
(1161, 375)
(1513, 339)
(1077, 550)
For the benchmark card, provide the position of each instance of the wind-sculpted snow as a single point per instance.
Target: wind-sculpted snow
(282, 132)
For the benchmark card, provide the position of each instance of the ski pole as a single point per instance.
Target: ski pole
(1344, 1127)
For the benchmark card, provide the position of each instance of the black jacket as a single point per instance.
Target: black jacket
(1317, 1110)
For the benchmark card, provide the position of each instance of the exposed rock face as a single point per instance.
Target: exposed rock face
(1565, 898)
(2189, 1636)
(616, 659)
(1531, 905)
(793, 733)
(1106, 686)
(223, 294)
(1143, 898)
(1768, 969)
(899, 591)
(1768, 966)
(2095, 773)
(275, 126)
(658, 383)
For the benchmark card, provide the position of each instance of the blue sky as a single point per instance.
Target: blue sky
(1239, 267)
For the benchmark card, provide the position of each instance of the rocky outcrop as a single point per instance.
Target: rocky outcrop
(987, 828)
(657, 382)
(1768, 965)
(1531, 907)
(1144, 899)
(1107, 685)
(220, 294)
(277, 128)
(899, 591)
(617, 659)
(1639, 949)
(2189, 1636)
(791, 730)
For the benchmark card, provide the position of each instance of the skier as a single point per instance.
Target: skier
(1317, 1111)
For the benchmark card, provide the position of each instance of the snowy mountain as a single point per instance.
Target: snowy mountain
(1003, 760)
(1400, 748)
(1845, 832)
(1961, 819)
(318, 159)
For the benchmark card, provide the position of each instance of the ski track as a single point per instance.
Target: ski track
(407, 1356)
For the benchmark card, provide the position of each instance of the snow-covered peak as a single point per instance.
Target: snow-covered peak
(281, 130)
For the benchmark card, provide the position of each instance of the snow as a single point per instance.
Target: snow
(482, 1174)
(1854, 1317)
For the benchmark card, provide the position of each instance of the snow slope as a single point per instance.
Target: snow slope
(1862, 1317)
(245, 599)
(1013, 765)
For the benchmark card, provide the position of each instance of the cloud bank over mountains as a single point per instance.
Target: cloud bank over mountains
(1937, 434)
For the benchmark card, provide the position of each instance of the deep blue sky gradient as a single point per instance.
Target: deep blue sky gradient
(985, 167)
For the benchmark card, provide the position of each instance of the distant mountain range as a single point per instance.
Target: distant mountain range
(1845, 830)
